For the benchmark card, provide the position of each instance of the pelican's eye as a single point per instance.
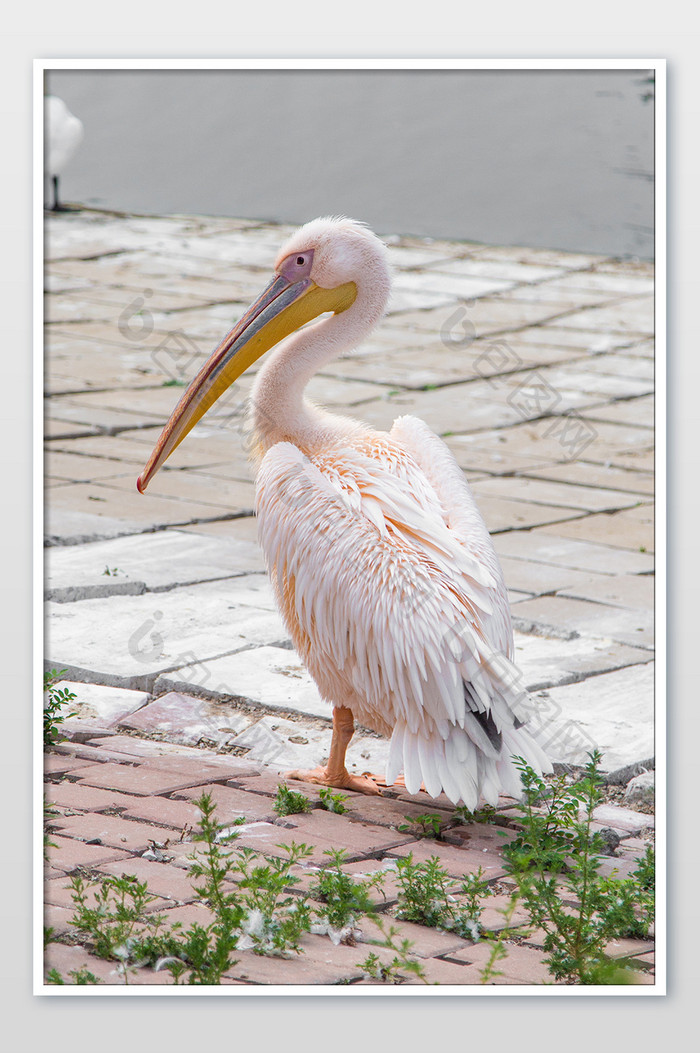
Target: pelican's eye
(296, 268)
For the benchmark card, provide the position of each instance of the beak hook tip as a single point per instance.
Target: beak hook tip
(140, 485)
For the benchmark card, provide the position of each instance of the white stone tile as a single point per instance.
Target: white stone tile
(128, 640)
(100, 706)
(272, 677)
(155, 561)
(615, 711)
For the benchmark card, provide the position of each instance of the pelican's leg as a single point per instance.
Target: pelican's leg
(335, 773)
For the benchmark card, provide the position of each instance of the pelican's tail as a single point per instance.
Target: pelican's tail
(469, 765)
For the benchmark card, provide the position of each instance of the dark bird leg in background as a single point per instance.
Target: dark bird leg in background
(57, 206)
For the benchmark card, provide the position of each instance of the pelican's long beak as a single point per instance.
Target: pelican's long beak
(282, 308)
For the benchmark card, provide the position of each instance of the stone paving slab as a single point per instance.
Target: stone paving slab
(550, 615)
(545, 492)
(189, 720)
(598, 476)
(572, 553)
(167, 559)
(98, 706)
(632, 528)
(271, 676)
(596, 705)
(149, 634)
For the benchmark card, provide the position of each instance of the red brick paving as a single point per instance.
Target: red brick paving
(110, 830)
(152, 796)
(523, 964)
(65, 854)
(169, 882)
(55, 764)
(232, 803)
(79, 797)
(143, 779)
(165, 811)
(357, 838)
(266, 782)
(457, 861)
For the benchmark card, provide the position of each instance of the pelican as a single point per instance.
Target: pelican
(381, 565)
(64, 134)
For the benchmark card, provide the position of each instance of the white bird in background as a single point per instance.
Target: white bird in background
(382, 567)
(63, 133)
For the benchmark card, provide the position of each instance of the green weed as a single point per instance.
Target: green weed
(56, 699)
(429, 825)
(118, 925)
(429, 896)
(275, 919)
(393, 972)
(332, 802)
(290, 802)
(345, 898)
(555, 860)
(80, 976)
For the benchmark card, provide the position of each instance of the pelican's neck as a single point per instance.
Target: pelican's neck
(280, 410)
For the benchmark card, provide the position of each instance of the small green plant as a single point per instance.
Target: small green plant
(274, 919)
(290, 802)
(345, 898)
(118, 923)
(499, 951)
(555, 860)
(111, 573)
(463, 816)
(393, 972)
(429, 825)
(80, 976)
(173, 383)
(332, 802)
(204, 953)
(121, 928)
(428, 895)
(56, 699)
(247, 894)
(628, 903)
(49, 814)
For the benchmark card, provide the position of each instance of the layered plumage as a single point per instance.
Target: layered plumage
(388, 583)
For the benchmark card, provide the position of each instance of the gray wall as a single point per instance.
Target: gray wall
(557, 159)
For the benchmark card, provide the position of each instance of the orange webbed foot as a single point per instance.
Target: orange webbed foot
(341, 781)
